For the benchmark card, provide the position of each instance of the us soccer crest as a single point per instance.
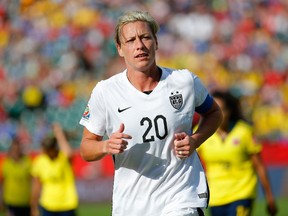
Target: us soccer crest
(176, 100)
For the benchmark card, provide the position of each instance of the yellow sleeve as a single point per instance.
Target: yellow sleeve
(253, 145)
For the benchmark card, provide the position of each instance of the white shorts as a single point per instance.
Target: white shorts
(186, 212)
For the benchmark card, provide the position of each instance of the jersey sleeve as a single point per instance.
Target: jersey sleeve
(204, 100)
(93, 118)
(253, 146)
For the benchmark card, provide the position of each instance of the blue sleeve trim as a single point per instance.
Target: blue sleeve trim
(206, 105)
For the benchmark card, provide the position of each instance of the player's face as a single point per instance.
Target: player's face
(138, 46)
(15, 150)
(52, 153)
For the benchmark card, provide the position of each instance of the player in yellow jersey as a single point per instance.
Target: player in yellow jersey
(53, 178)
(232, 161)
(16, 181)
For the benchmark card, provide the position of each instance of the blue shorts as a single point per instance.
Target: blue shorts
(45, 212)
(18, 211)
(237, 208)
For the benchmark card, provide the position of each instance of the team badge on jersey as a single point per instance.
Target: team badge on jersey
(176, 100)
(86, 113)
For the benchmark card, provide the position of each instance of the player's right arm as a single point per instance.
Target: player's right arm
(62, 140)
(93, 147)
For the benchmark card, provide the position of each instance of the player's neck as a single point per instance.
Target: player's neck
(144, 81)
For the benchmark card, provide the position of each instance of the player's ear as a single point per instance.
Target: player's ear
(156, 44)
(120, 52)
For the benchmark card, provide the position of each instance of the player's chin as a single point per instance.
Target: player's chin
(143, 65)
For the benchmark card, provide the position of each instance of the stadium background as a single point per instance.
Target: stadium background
(53, 52)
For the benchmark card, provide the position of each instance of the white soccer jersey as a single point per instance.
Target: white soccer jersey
(150, 180)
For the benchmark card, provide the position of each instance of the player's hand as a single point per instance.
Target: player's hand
(183, 145)
(272, 209)
(57, 128)
(117, 142)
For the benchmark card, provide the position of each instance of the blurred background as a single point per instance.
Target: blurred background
(53, 52)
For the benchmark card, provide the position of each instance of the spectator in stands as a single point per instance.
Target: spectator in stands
(232, 160)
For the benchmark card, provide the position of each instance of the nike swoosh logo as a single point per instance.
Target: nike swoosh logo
(121, 110)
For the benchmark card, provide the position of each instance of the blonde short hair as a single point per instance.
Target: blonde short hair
(134, 16)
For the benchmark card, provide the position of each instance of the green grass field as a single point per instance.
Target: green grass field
(104, 209)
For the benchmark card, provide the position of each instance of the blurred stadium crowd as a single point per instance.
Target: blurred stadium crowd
(53, 52)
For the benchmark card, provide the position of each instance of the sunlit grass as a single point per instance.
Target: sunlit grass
(104, 209)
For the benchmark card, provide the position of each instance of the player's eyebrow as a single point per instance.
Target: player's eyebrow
(145, 34)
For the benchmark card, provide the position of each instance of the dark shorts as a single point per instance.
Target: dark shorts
(200, 212)
(45, 212)
(18, 211)
(237, 208)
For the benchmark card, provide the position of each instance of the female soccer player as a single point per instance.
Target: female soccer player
(232, 160)
(147, 113)
(54, 189)
(16, 180)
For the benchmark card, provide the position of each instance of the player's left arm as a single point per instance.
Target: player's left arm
(263, 177)
(210, 119)
(208, 123)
